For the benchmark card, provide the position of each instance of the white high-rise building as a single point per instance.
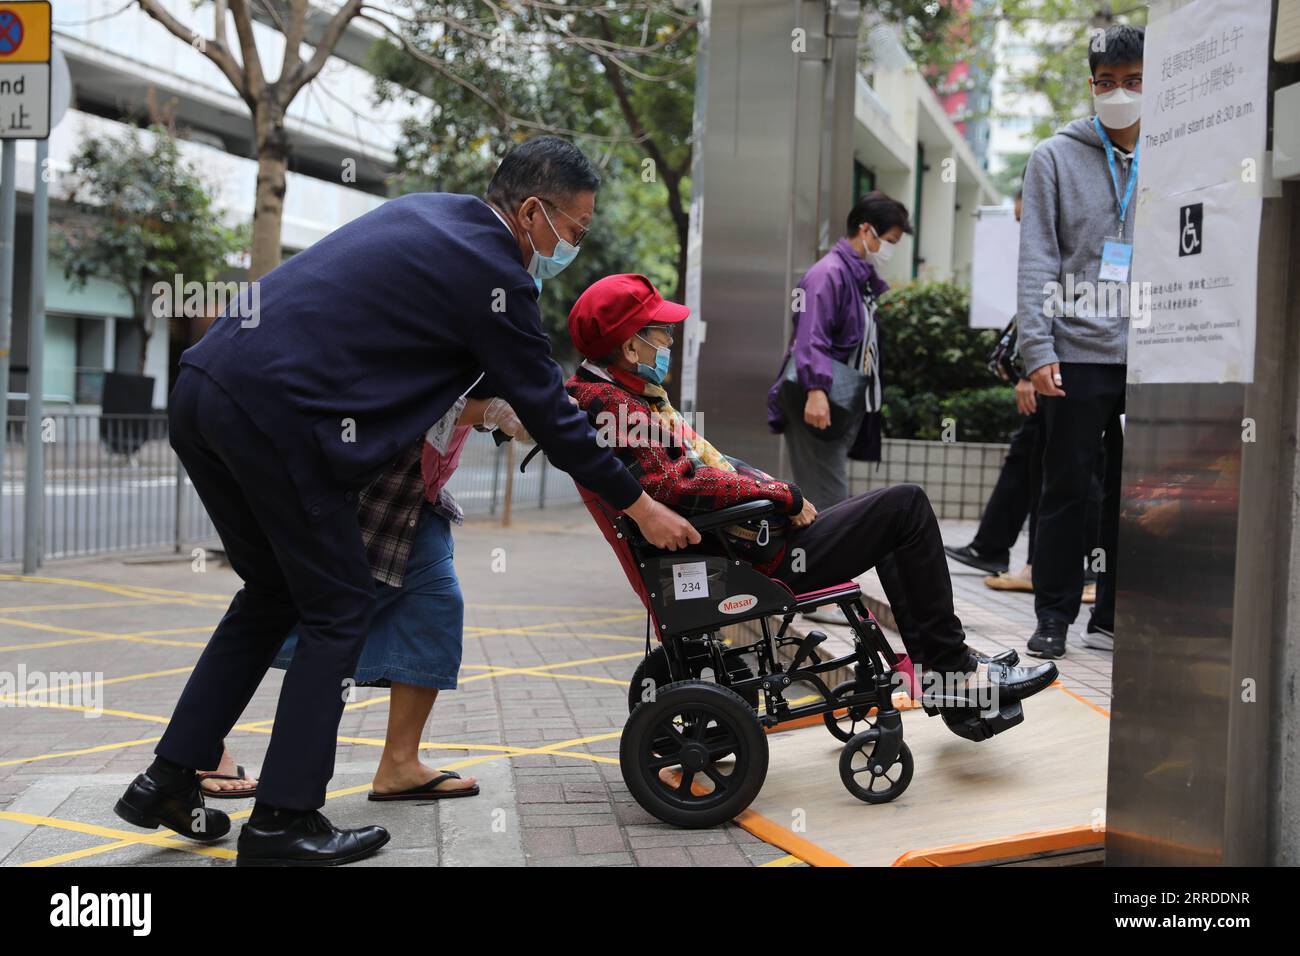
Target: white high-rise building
(121, 60)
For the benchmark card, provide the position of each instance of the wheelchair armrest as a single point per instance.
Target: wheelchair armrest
(732, 515)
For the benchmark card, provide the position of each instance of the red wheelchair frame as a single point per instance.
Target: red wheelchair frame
(694, 749)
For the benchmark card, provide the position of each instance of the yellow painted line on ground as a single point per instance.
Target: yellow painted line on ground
(55, 629)
(27, 694)
(590, 679)
(96, 586)
(605, 637)
(37, 645)
(200, 595)
(173, 842)
(528, 629)
(125, 837)
(424, 745)
(90, 606)
(141, 638)
(196, 629)
(59, 755)
(52, 705)
(786, 860)
(595, 758)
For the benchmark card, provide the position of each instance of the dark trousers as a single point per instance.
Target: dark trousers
(1015, 496)
(1079, 427)
(294, 571)
(1017, 493)
(894, 530)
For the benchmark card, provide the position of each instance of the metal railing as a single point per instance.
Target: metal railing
(113, 484)
(958, 477)
(480, 481)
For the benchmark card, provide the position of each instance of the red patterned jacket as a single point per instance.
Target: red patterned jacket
(627, 423)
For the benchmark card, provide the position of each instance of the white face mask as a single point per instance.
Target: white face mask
(881, 255)
(1118, 109)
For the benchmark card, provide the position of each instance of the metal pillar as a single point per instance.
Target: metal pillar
(33, 483)
(771, 180)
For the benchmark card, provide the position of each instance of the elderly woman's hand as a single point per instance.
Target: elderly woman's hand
(804, 517)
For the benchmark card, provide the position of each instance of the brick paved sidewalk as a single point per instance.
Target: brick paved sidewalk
(552, 636)
(551, 642)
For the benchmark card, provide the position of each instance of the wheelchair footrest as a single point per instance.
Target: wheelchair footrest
(978, 725)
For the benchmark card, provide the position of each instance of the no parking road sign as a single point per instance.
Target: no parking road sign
(25, 51)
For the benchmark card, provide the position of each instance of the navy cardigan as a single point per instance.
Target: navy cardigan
(366, 339)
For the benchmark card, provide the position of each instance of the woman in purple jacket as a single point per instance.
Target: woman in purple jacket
(834, 317)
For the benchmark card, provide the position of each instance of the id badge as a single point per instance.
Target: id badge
(1116, 261)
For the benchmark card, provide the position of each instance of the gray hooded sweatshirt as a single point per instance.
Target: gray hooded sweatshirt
(1069, 211)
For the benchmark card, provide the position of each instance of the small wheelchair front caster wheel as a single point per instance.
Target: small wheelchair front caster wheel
(865, 778)
(854, 720)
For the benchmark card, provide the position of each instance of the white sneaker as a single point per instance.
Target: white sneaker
(830, 614)
(1099, 639)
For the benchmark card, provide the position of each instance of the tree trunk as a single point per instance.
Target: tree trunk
(268, 208)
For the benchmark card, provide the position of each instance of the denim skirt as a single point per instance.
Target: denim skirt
(416, 633)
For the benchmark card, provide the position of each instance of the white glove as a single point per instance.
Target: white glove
(499, 414)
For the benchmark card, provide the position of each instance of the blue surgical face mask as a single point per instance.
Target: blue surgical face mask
(656, 373)
(548, 267)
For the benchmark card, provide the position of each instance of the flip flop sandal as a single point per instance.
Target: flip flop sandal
(429, 791)
(238, 793)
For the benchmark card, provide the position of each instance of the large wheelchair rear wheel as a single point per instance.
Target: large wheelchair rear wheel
(695, 756)
(651, 675)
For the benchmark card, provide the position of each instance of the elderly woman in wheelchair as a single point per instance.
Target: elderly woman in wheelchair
(694, 752)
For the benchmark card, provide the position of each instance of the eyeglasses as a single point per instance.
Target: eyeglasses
(582, 230)
(1133, 84)
(663, 331)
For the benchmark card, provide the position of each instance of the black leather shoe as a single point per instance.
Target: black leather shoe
(1048, 640)
(146, 804)
(985, 685)
(1008, 657)
(967, 555)
(306, 840)
(1019, 683)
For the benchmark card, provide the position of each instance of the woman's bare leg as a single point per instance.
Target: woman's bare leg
(399, 765)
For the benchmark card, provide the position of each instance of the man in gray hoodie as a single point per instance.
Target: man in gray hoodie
(1076, 247)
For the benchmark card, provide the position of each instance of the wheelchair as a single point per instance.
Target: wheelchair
(694, 749)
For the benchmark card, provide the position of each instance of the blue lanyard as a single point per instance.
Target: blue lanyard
(1114, 173)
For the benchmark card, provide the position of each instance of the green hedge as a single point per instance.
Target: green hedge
(934, 367)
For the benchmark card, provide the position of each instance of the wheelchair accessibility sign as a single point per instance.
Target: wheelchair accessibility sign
(25, 51)
(1189, 234)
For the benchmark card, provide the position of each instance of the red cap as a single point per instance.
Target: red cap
(614, 309)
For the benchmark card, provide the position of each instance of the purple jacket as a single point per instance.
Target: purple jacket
(830, 327)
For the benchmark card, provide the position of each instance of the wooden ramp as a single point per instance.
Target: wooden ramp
(1039, 788)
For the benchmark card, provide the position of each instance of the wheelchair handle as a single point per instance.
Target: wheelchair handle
(733, 515)
(529, 457)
